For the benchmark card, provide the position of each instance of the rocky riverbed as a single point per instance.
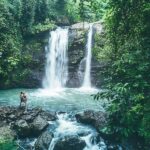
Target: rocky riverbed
(42, 130)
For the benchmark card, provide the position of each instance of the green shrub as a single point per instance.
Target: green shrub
(8, 145)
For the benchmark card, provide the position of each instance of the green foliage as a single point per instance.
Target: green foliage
(72, 8)
(27, 17)
(42, 27)
(8, 145)
(101, 50)
(20, 19)
(10, 41)
(92, 10)
(128, 76)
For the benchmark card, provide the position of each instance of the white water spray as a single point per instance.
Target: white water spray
(56, 71)
(87, 76)
(70, 127)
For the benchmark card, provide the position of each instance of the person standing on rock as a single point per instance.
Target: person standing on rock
(23, 99)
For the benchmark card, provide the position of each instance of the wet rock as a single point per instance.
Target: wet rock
(30, 115)
(22, 128)
(70, 143)
(61, 112)
(27, 117)
(3, 123)
(38, 125)
(83, 133)
(76, 52)
(44, 141)
(10, 114)
(6, 133)
(12, 117)
(49, 116)
(113, 147)
(30, 123)
(26, 143)
(30, 129)
(35, 111)
(76, 48)
(80, 26)
(26, 123)
(19, 112)
(6, 113)
(96, 119)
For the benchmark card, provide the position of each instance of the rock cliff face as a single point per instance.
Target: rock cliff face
(31, 69)
(76, 53)
(33, 64)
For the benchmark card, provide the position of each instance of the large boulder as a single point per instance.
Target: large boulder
(70, 143)
(44, 141)
(6, 133)
(80, 26)
(30, 129)
(7, 113)
(96, 119)
(13, 113)
(31, 114)
(26, 123)
(49, 116)
(22, 128)
(38, 125)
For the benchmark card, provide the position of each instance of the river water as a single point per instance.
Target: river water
(65, 99)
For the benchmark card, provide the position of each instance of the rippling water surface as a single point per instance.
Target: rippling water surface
(67, 99)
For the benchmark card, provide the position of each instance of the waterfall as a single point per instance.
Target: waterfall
(56, 70)
(87, 76)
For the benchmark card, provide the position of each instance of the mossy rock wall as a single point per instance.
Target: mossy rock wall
(31, 69)
(77, 50)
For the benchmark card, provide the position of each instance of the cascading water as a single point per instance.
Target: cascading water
(87, 76)
(68, 126)
(56, 71)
